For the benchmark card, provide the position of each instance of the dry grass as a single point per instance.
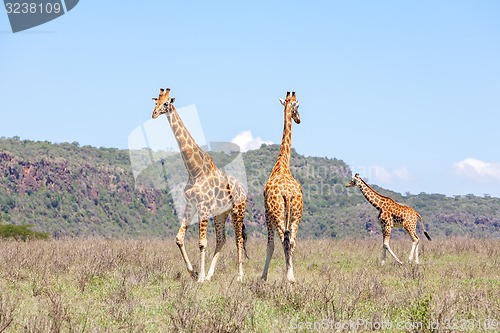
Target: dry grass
(142, 286)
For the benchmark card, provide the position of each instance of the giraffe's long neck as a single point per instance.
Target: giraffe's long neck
(370, 194)
(196, 160)
(283, 161)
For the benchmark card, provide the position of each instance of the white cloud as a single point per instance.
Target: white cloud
(383, 175)
(247, 142)
(477, 169)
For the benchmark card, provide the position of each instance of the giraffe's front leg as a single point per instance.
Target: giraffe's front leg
(220, 233)
(188, 216)
(386, 247)
(203, 213)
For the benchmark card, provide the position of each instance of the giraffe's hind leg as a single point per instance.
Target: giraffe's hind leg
(414, 251)
(237, 215)
(414, 246)
(296, 203)
(270, 245)
(220, 234)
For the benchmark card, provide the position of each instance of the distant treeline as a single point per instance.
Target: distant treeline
(68, 189)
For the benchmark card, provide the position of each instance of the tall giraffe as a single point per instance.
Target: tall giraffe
(283, 194)
(392, 214)
(208, 191)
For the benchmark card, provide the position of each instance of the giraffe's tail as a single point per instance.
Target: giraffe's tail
(288, 217)
(286, 243)
(423, 227)
(288, 212)
(244, 235)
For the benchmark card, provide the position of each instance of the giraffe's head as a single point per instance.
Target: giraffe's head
(291, 102)
(164, 104)
(354, 181)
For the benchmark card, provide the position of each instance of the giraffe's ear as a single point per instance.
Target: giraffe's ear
(172, 100)
(154, 99)
(282, 101)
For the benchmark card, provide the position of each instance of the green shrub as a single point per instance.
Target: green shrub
(21, 232)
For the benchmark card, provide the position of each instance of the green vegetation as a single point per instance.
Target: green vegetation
(66, 189)
(96, 285)
(21, 232)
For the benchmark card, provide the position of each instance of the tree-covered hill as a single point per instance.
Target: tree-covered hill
(65, 189)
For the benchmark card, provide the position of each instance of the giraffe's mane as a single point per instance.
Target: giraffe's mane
(383, 196)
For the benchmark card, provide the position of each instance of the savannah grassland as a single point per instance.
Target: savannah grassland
(99, 285)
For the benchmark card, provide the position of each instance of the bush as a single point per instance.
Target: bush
(21, 232)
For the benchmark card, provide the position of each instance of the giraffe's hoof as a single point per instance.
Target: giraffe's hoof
(202, 279)
(194, 275)
(239, 278)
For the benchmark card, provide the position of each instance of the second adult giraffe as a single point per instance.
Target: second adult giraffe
(392, 214)
(283, 194)
(208, 191)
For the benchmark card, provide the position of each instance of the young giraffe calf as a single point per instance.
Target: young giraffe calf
(391, 214)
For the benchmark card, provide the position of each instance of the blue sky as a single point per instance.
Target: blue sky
(407, 93)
